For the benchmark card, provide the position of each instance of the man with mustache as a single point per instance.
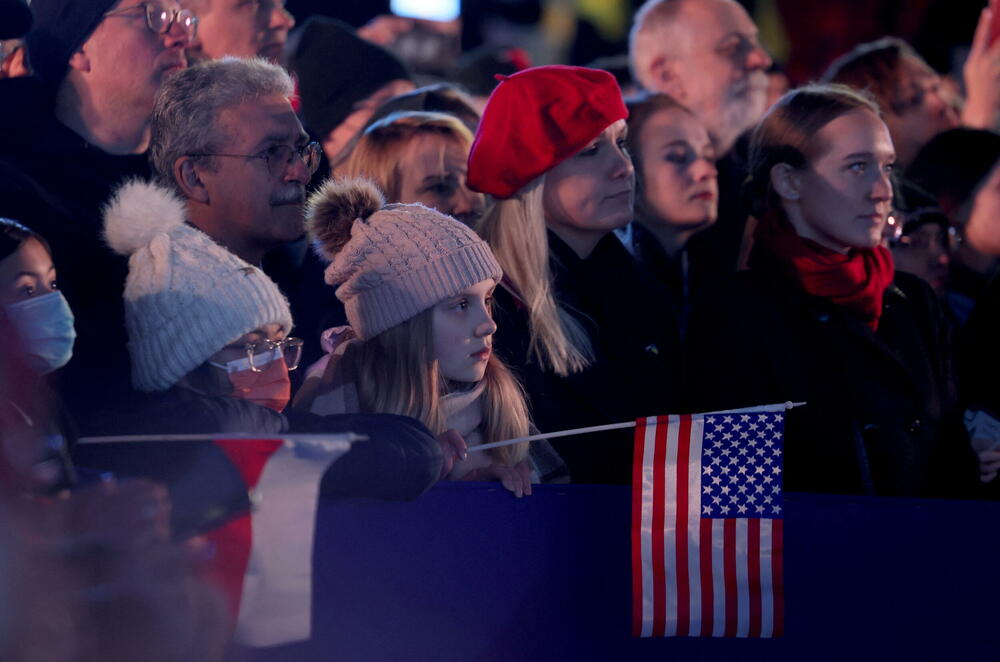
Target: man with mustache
(225, 137)
(707, 56)
(69, 134)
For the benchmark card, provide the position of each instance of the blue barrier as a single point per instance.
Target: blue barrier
(467, 572)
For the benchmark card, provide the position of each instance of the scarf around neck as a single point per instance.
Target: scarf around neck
(856, 281)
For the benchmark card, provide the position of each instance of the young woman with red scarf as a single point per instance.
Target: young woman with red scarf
(821, 317)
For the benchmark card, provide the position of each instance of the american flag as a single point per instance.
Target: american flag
(707, 525)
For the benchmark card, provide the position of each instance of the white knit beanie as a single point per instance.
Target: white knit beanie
(186, 297)
(392, 262)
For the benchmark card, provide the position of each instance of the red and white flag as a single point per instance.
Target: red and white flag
(263, 559)
(707, 525)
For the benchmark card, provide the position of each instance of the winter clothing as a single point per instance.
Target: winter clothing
(398, 260)
(61, 27)
(637, 366)
(15, 19)
(336, 69)
(876, 419)
(570, 107)
(400, 459)
(55, 182)
(186, 297)
(855, 281)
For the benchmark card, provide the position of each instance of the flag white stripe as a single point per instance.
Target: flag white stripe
(670, 530)
(276, 603)
(718, 580)
(767, 597)
(742, 580)
(694, 525)
(646, 533)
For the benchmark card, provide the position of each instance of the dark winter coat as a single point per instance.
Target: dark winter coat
(55, 183)
(635, 374)
(400, 459)
(877, 419)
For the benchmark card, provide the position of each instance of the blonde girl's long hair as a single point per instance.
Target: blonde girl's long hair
(515, 230)
(397, 374)
(377, 154)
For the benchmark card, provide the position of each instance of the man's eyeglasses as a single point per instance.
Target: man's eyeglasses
(279, 157)
(159, 19)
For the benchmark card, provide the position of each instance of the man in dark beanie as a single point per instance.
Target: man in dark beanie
(343, 79)
(75, 129)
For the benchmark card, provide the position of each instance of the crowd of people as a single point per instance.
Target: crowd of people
(262, 228)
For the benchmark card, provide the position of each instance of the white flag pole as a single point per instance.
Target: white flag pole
(349, 437)
(629, 424)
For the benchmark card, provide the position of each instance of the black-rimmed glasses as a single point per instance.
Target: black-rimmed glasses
(160, 19)
(279, 157)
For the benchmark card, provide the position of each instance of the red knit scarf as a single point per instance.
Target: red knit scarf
(855, 281)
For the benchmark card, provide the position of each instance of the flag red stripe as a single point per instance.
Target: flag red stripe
(681, 539)
(753, 574)
(637, 482)
(777, 579)
(232, 540)
(729, 570)
(659, 524)
(707, 602)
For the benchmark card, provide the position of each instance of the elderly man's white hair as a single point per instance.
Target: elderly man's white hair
(646, 39)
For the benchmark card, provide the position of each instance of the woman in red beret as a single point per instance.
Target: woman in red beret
(592, 338)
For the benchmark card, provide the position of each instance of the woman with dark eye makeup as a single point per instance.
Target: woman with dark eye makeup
(677, 191)
(821, 317)
(592, 337)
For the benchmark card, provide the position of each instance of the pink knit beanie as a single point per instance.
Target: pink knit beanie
(392, 262)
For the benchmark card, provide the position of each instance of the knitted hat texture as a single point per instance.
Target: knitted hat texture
(537, 118)
(186, 297)
(61, 27)
(392, 262)
(336, 69)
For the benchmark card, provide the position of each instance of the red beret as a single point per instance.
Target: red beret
(537, 118)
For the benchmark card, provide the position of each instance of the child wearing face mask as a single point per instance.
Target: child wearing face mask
(417, 288)
(36, 326)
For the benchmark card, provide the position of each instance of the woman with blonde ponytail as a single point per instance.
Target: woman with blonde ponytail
(417, 288)
(592, 337)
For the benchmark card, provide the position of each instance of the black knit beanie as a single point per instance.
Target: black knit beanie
(15, 18)
(336, 69)
(61, 27)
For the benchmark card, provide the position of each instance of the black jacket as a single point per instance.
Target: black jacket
(635, 374)
(878, 416)
(55, 183)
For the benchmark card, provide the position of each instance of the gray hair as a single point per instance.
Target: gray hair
(645, 40)
(189, 102)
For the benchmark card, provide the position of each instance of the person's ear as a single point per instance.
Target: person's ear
(785, 181)
(79, 60)
(666, 77)
(188, 177)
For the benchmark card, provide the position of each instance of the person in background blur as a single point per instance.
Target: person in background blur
(923, 248)
(677, 190)
(419, 157)
(240, 28)
(910, 93)
(948, 170)
(343, 79)
(437, 98)
(706, 54)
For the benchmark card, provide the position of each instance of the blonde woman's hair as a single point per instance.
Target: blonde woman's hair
(515, 230)
(376, 155)
(400, 376)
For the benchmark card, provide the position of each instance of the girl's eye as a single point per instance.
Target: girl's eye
(679, 156)
(589, 150)
(461, 304)
(889, 168)
(858, 167)
(27, 291)
(54, 285)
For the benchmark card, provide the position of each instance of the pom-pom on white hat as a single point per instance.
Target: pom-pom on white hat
(186, 297)
(392, 262)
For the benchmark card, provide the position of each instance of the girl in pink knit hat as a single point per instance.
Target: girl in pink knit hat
(417, 288)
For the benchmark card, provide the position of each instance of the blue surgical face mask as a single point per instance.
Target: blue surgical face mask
(45, 326)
